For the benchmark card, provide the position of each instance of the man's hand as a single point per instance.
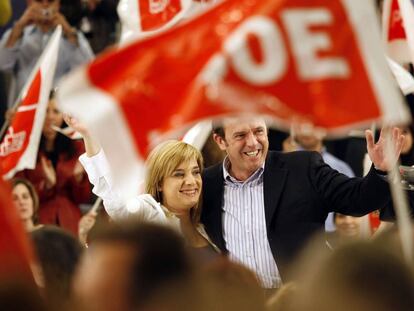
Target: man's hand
(377, 151)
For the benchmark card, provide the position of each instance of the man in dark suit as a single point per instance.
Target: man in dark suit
(261, 207)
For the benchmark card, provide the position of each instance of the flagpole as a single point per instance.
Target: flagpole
(400, 202)
(7, 122)
(22, 92)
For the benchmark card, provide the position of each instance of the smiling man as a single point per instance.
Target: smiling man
(262, 206)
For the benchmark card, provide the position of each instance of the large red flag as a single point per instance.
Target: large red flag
(18, 149)
(319, 61)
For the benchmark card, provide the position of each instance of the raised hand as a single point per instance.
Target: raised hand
(377, 151)
(78, 172)
(92, 146)
(48, 172)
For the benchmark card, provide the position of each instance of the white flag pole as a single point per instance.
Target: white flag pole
(400, 202)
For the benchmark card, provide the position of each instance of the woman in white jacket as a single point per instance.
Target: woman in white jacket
(173, 186)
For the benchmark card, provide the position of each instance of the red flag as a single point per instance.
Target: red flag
(146, 17)
(19, 147)
(397, 16)
(318, 61)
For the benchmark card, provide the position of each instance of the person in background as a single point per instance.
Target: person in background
(5, 12)
(58, 177)
(21, 46)
(137, 266)
(26, 201)
(58, 253)
(348, 228)
(311, 140)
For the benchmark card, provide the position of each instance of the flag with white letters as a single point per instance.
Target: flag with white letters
(319, 62)
(18, 149)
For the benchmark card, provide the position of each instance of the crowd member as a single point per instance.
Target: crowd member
(359, 276)
(261, 207)
(230, 286)
(348, 228)
(5, 11)
(312, 140)
(172, 186)
(21, 46)
(387, 214)
(99, 23)
(26, 201)
(134, 266)
(58, 177)
(58, 253)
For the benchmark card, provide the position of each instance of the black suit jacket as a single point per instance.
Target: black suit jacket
(299, 191)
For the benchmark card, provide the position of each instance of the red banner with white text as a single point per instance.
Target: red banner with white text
(316, 61)
(18, 149)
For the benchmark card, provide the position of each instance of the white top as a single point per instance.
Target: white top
(142, 206)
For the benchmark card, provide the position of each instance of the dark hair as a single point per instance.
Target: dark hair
(160, 258)
(218, 128)
(58, 252)
(62, 144)
(33, 195)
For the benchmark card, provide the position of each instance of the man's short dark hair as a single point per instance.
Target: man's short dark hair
(160, 258)
(218, 128)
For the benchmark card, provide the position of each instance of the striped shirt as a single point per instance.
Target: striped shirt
(245, 226)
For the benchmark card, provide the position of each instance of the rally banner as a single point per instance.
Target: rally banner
(141, 18)
(407, 13)
(19, 147)
(319, 62)
(404, 79)
(393, 32)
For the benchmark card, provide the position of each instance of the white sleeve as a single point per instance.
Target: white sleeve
(116, 205)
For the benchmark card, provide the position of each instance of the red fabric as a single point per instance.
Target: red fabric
(60, 204)
(16, 141)
(146, 75)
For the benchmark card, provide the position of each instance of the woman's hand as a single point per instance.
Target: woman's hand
(48, 172)
(78, 172)
(86, 223)
(92, 146)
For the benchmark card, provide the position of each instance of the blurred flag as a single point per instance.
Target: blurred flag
(146, 17)
(397, 17)
(283, 59)
(18, 149)
(404, 79)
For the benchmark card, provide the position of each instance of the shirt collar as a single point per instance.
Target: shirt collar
(255, 176)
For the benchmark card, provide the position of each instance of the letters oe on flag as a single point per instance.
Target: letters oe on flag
(318, 61)
(19, 147)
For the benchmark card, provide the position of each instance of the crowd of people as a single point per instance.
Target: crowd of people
(257, 229)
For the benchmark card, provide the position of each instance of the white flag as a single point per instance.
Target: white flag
(20, 145)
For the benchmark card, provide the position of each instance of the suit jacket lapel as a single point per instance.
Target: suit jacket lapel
(274, 179)
(213, 210)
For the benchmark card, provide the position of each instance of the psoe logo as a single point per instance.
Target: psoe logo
(157, 6)
(13, 142)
